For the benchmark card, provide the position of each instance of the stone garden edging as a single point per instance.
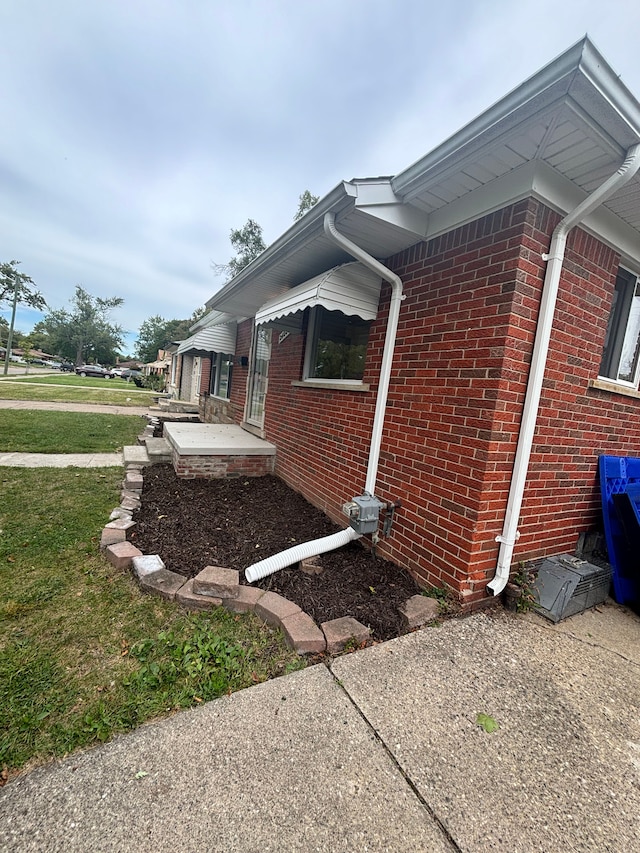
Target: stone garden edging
(216, 586)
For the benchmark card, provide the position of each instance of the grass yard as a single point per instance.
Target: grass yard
(25, 431)
(114, 392)
(72, 380)
(83, 654)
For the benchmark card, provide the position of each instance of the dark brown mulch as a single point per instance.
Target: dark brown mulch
(234, 523)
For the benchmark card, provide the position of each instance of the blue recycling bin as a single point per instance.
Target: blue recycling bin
(620, 491)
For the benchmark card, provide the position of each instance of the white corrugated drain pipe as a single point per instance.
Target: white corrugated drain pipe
(555, 258)
(336, 540)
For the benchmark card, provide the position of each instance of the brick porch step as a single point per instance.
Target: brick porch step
(218, 451)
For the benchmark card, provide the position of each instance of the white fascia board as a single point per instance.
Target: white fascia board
(563, 195)
(604, 79)
(581, 73)
(295, 236)
(538, 180)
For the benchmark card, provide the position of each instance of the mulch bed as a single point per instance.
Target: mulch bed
(234, 523)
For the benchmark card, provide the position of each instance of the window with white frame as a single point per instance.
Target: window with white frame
(221, 370)
(621, 353)
(336, 346)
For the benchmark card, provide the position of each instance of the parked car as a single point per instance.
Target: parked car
(67, 367)
(118, 371)
(40, 362)
(131, 375)
(93, 370)
(18, 359)
(55, 365)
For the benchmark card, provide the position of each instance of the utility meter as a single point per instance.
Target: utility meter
(363, 513)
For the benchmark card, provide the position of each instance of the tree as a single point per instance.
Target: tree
(85, 333)
(305, 203)
(19, 289)
(248, 243)
(156, 332)
(39, 337)
(13, 282)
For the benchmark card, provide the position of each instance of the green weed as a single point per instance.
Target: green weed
(83, 653)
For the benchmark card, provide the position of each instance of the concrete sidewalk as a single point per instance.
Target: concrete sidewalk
(61, 460)
(380, 751)
(68, 460)
(98, 408)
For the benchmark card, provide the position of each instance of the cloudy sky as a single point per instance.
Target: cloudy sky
(137, 133)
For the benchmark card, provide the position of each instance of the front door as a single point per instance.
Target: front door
(195, 380)
(259, 376)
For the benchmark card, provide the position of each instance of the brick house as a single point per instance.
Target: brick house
(515, 362)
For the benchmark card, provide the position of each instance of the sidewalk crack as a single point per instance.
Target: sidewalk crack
(425, 805)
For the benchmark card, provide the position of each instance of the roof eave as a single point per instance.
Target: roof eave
(582, 62)
(295, 236)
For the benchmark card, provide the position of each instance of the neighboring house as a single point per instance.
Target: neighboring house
(512, 371)
(162, 365)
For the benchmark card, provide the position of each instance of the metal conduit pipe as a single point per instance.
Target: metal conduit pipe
(555, 258)
(336, 540)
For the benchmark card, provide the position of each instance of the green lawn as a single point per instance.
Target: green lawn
(83, 654)
(115, 392)
(24, 431)
(71, 380)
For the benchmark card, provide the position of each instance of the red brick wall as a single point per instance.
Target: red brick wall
(576, 423)
(205, 373)
(460, 371)
(220, 467)
(321, 435)
(459, 374)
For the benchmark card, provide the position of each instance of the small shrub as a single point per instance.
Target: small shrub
(524, 578)
(154, 381)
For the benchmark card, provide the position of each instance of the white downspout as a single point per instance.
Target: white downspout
(342, 537)
(389, 341)
(555, 258)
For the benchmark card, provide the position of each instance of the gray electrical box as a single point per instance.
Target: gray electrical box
(363, 513)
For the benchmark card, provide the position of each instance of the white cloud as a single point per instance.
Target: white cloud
(138, 133)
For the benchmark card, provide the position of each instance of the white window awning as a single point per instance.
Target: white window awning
(212, 339)
(350, 288)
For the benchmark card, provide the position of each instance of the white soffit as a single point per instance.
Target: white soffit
(213, 339)
(575, 116)
(349, 288)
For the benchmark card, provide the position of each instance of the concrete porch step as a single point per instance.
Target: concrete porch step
(218, 451)
(135, 454)
(181, 406)
(158, 449)
(215, 440)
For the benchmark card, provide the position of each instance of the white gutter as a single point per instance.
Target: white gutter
(555, 258)
(328, 543)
